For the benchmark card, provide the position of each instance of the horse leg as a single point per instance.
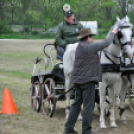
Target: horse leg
(68, 95)
(67, 86)
(124, 86)
(111, 105)
(102, 90)
(132, 81)
(97, 99)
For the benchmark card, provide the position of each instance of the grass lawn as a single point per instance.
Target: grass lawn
(17, 58)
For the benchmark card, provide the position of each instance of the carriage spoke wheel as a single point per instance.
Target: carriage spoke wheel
(36, 96)
(48, 97)
(131, 99)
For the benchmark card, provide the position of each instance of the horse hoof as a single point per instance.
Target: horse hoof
(124, 121)
(114, 126)
(103, 126)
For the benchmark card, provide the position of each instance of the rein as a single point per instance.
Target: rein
(118, 65)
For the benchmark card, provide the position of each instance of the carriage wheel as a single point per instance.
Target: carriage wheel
(36, 96)
(131, 99)
(48, 97)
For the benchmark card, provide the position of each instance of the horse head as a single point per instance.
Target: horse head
(124, 36)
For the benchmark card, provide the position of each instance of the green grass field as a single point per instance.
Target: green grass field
(17, 58)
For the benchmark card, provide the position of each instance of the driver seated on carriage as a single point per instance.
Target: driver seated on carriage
(67, 32)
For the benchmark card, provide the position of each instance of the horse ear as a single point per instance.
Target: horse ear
(117, 18)
(127, 18)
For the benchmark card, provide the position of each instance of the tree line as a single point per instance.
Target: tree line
(46, 14)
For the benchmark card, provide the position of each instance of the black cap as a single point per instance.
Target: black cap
(68, 13)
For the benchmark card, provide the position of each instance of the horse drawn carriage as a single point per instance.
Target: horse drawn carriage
(48, 87)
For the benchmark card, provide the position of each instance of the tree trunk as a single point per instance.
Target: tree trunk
(79, 11)
(23, 22)
(12, 21)
(123, 8)
(1, 11)
(38, 17)
(31, 26)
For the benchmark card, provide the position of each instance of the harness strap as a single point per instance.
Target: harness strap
(105, 52)
(100, 54)
(127, 43)
(110, 54)
(132, 59)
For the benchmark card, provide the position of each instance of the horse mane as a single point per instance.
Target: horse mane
(108, 35)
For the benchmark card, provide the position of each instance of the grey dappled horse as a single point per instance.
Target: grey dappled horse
(110, 80)
(126, 82)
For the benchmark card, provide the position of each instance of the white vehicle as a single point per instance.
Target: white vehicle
(93, 25)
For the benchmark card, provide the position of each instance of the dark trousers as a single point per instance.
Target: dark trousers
(84, 93)
(60, 52)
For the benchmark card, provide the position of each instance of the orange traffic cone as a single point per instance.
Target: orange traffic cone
(8, 105)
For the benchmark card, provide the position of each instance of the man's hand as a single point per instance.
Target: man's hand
(116, 28)
(115, 31)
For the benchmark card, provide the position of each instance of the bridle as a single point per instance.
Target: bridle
(119, 36)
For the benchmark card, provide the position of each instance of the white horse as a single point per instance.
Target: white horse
(68, 63)
(126, 82)
(110, 80)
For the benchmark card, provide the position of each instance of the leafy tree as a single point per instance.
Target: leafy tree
(106, 12)
(46, 14)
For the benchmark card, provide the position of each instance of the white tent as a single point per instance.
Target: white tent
(93, 25)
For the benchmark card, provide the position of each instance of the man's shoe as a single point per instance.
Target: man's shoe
(73, 132)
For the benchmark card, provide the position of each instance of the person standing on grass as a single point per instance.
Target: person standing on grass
(87, 72)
